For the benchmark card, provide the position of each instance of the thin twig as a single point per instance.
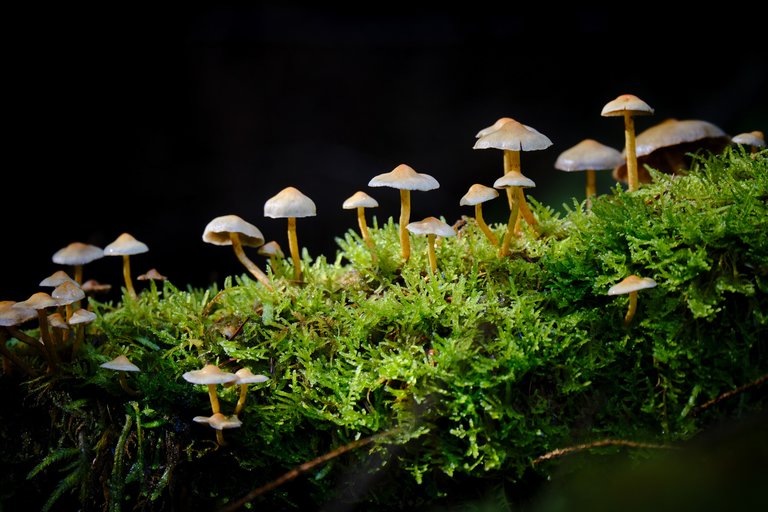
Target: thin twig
(729, 394)
(598, 444)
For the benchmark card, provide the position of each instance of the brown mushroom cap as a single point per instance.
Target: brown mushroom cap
(431, 226)
(359, 200)
(588, 155)
(495, 126)
(245, 376)
(626, 103)
(219, 421)
(77, 253)
(271, 249)
(209, 374)
(477, 194)
(152, 275)
(67, 293)
(514, 179)
(631, 283)
(289, 203)
(82, 316)
(94, 286)
(120, 363)
(514, 136)
(404, 177)
(218, 231)
(57, 278)
(125, 245)
(57, 321)
(40, 300)
(15, 313)
(755, 139)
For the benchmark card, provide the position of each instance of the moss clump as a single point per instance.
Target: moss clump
(468, 377)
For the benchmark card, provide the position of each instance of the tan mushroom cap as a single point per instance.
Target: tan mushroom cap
(209, 374)
(514, 179)
(245, 376)
(57, 321)
(57, 278)
(359, 200)
(404, 177)
(755, 139)
(588, 155)
(219, 421)
(15, 313)
(514, 136)
(121, 363)
(626, 103)
(67, 293)
(477, 194)
(289, 203)
(218, 230)
(94, 286)
(40, 300)
(672, 132)
(495, 126)
(152, 275)
(631, 284)
(125, 245)
(77, 253)
(431, 226)
(82, 316)
(271, 249)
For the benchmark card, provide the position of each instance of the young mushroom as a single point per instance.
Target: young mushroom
(12, 315)
(631, 285)
(40, 302)
(233, 230)
(476, 196)
(66, 294)
(274, 252)
(360, 201)
(404, 178)
(121, 364)
(628, 106)
(219, 422)
(210, 375)
(432, 227)
(126, 246)
(589, 155)
(152, 275)
(55, 279)
(245, 377)
(510, 180)
(290, 203)
(755, 140)
(79, 319)
(78, 254)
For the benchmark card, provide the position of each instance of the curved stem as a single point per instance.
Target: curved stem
(124, 384)
(629, 139)
(591, 187)
(511, 164)
(513, 214)
(483, 226)
(632, 308)
(214, 398)
(431, 252)
(13, 357)
(293, 245)
(127, 276)
(250, 265)
(241, 399)
(526, 212)
(405, 215)
(27, 339)
(220, 437)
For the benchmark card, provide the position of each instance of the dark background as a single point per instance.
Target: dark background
(154, 122)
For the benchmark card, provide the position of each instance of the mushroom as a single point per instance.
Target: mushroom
(233, 230)
(476, 196)
(404, 178)
(93, 286)
(273, 251)
(628, 106)
(245, 377)
(152, 275)
(11, 315)
(122, 364)
(40, 302)
(55, 279)
(755, 140)
(432, 227)
(210, 375)
(78, 320)
(290, 203)
(518, 180)
(219, 422)
(631, 285)
(66, 294)
(360, 201)
(513, 137)
(589, 155)
(77, 254)
(126, 246)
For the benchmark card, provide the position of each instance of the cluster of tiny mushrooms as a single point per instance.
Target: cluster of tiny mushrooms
(505, 134)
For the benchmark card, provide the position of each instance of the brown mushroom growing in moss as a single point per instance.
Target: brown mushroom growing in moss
(432, 227)
(152, 275)
(41, 302)
(245, 377)
(11, 316)
(755, 140)
(92, 286)
(509, 180)
(121, 364)
(631, 285)
(360, 201)
(219, 422)
(79, 320)
(628, 106)
(274, 252)
(210, 375)
(233, 230)
(66, 294)
(78, 254)
(589, 156)
(55, 279)
(404, 178)
(476, 196)
(126, 246)
(291, 204)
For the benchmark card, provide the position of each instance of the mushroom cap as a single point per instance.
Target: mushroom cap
(626, 103)
(495, 126)
(514, 136)
(631, 283)
(152, 275)
(77, 253)
(67, 293)
(245, 376)
(120, 363)
(359, 200)
(289, 203)
(219, 421)
(94, 286)
(218, 230)
(755, 139)
(40, 300)
(588, 155)
(57, 321)
(431, 226)
(56, 279)
(477, 194)
(404, 177)
(125, 245)
(15, 313)
(209, 374)
(514, 179)
(271, 249)
(82, 316)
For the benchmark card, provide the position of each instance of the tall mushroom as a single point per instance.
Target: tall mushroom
(122, 364)
(290, 203)
(126, 246)
(360, 201)
(244, 377)
(510, 180)
(432, 227)
(77, 254)
(590, 156)
(79, 319)
(476, 196)
(233, 230)
(210, 375)
(628, 106)
(631, 285)
(404, 178)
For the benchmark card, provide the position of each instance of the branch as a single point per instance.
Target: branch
(729, 394)
(598, 444)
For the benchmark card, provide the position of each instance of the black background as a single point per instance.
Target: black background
(154, 122)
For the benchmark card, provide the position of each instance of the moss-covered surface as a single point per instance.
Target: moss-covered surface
(466, 377)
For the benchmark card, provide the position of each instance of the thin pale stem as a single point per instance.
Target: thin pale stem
(365, 233)
(45, 334)
(483, 226)
(632, 308)
(250, 265)
(591, 187)
(431, 253)
(629, 139)
(511, 164)
(124, 384)
(526, 212)
(293, 245)
(513, 214)
(127, 277)
(241, 399)
(215, 407)
(405, 215)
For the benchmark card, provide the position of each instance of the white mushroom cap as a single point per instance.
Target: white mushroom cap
(82, 316)
(755, 139)
(289, 203)
(67, 293)
(495, 126)
(477, 194)
(514, 136)
(57, 321)
(40, 300)
(359, 200)
(626, 103)
(77, 253)
(209, 374)
(404, 177)
(57, 278)
(125, 245)
(15, 313)
(219, 421)
(588, 155)
(630, 284)
(245, 376)
(514, 179)
(672, 132)
(120, 363)
(271, 249)
(431, 226)
(217, 231)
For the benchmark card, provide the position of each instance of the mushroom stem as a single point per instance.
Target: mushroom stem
(220, 437)
(483, 226)
(632, 308)
(526, 212)
(45, 334)
(79, 274)
(591, 187)
(405, 215)
(124, 384)
(431, 252)
(293, 245)
(629, 140)
(127, 277)
(214, 398)
(26, 338)
(79, 337)
(513, 214)
(364, 227)
(241, 399)
(13, 357)
(250, 265)
(511, 164)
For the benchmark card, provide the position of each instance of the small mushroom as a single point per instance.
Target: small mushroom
(628, 106)
(11, 315)
(405, 178)
(476, 196)
(233, 230)
(55, 279)
(66, 294)
(219, 422)
(78, 254)
(79, 319)
(512, 179)
(210, 375)
(126, 246)
(360, 201)
(631, 285)
(245, 377)
(274, 252)
(291, 204)
(755, 140)
(590, 156)
(92, 286)
(40, 302)
(152, 275)
(432, 227)
(122, 364)
(59, 327)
